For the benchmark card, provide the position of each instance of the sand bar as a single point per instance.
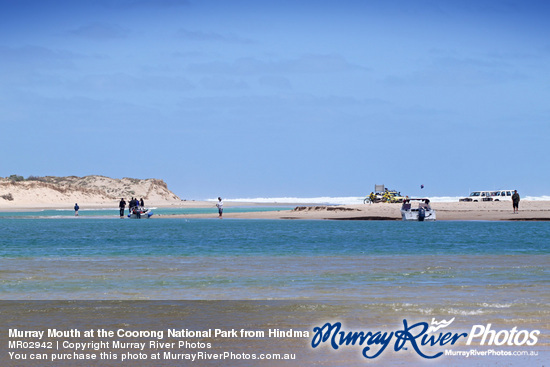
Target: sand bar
(529, 210)
(98, 192)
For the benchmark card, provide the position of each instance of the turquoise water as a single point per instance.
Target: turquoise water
(370, 272)
(93, 237)
(114, 212)
(479, 272)
(106, 258)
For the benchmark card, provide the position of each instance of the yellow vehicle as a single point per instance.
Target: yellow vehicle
(394, 197)
(373, 198)
(383, 195)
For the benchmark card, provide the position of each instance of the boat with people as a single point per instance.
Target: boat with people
(138, 213)
(423, 212)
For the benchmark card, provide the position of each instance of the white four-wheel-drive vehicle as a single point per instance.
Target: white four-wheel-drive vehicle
(489, 195)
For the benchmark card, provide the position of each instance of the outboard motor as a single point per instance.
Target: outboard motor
(421, 214)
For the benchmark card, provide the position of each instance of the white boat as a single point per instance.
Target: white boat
(139, 213)
(423, 212)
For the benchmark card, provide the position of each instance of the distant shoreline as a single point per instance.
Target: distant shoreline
(462, 211)
(459, 211)
(114, 205)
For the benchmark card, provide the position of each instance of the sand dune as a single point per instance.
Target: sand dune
(89, 191)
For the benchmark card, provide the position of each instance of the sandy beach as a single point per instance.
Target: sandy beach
(529, 210)
(485, 211)
(100, 192)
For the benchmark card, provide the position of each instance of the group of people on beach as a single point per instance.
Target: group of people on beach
(134, 206)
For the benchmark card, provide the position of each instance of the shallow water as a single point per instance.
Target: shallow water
(114, 212)
(272, 259)
(370, 273)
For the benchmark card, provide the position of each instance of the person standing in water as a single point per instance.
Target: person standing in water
(121, 207)
(76, 207)
(220, 207)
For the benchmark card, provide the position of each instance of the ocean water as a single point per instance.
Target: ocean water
(295, 273)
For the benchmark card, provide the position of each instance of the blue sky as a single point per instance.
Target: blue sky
(279, 98)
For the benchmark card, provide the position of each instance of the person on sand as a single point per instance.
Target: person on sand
(141, 203)
(220, 207)
(121, 206)
(76, 207)
(515, 202)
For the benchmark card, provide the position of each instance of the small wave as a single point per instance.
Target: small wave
(496, 305)
(538, 198)
(454, 311)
